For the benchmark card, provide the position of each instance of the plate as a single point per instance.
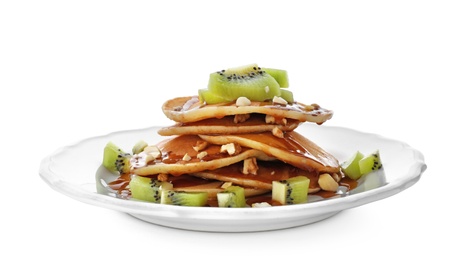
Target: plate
(76, 171)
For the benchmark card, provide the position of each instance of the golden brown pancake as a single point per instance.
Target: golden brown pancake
(190, 109)
(228, 126)
(174, 150)
(294, 149)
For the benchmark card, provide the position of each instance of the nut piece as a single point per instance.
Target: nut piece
(261, 205)
(163, 177)
(240, 118)
(186, 157)
(226, 184)
(230, 148)
(200, 145)
(243, 101)
(327, 182)
(153, 151)
(269, 119)
(277, 132)
(250, 166)
(201, 155)
(279, 101)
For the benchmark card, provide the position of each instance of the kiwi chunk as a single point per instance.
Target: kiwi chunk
(287, 95)
(115, 159)
(281, 76)
(291, 191)
(139, 146)
(351, 166)
(247, 81)
(148, 189)
(182, 198)
(207, 96)
(369, 163)
(232, 197)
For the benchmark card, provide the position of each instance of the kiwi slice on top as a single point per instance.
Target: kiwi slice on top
(247, 81)
(281, 76)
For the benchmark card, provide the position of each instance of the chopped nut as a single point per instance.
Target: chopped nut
(250, 166)
(277, 132)
(243, 101)
(226, 184)
(163, 177)
(267, 89)
(261, 205)
(186, 157)
(153, 152)
(273, 120)
(241, 118)
(270, 119)
(230, 148)
(315, 106)
(308, 108)
(279, 100)
(327, 182)
(200, 145)
(201, 155)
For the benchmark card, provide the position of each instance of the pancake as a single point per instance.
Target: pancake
(227, 126)
(268, 171)
(190, 109)
(293, 149)
(173, 159)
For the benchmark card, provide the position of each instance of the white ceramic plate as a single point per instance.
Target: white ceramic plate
(76, 171)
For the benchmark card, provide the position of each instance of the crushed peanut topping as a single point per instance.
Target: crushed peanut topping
(201, 155)
(200, 145)
(269, 119)
(277, 132)
(279, 101)
(250, 166)
(163, 177)
(327, 182)
(243, 101)
(226, 184)
(186, 157)
(230, 148)
(240, 118)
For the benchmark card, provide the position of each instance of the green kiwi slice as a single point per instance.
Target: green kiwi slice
(115, 159)
(351, 166)
(209, 97)
(232, 197)
(148, 189)
(369, 163)
(291, 191)
(139, 146)
(281, 76)
(183, 198)
(247, 81)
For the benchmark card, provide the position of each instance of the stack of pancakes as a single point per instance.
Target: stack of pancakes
(247, 144)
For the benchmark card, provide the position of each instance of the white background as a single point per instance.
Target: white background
(70, 70)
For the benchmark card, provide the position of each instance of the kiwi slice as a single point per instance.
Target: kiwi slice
(249, 81)
(351, 166)
(281, 76)
(287, 95)
(232, 197)
(369, 163)
(139, 146)
(115, 159)
(183, 198)
(291, 191)
(207, 96)
(148, 189)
